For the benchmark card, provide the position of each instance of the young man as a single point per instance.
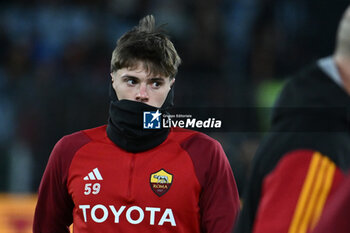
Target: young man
(123, 178)
(301, 162)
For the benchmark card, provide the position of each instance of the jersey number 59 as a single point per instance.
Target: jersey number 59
(92, 188)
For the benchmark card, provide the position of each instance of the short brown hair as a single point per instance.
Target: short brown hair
(148, 44)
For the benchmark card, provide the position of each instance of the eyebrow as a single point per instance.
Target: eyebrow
(157, 79)
(129, 76)
(150, 79)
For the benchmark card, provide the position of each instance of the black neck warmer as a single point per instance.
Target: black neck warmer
(125, 124)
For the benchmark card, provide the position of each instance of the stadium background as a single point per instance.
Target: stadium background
(54, 72)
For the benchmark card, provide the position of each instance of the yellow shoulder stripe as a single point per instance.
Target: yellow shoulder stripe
(314, 193)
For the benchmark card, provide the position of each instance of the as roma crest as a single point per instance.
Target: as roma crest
(161, 181)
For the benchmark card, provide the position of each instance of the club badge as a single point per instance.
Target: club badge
(161, 181)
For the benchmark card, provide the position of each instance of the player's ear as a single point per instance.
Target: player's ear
(172, 81)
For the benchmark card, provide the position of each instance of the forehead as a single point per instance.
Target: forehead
(138, 71)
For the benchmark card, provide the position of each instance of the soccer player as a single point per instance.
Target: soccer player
(303, 158)
(122, 178)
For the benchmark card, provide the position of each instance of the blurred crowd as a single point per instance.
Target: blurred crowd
(55, 56)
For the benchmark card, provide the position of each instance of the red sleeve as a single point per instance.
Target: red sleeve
(219, 200)
(336, 214)
(294, 193)
(53, 213)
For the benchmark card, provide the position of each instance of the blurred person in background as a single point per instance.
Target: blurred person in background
(121, 177)
(301, 161)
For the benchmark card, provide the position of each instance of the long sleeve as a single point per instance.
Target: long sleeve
(335, 217)
(54, 208)
(219, 201)
(294, 193)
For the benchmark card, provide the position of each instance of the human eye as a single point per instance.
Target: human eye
(157, 83)
(131, 81)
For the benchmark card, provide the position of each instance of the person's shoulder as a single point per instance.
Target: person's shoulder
(188, 138)
(65, 149)
(97, 133)
(307, 77)
(81, 137)
(304, 89)
(72, 140)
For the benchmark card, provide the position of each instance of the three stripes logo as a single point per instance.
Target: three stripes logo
(94, 175)
(314, 193)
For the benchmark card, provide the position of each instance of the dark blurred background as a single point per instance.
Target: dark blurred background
(55, 56)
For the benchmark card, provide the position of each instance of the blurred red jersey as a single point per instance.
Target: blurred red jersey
(335, 217)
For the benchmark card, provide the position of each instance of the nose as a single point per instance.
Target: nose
(142, 95)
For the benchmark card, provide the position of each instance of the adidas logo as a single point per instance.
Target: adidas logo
(94, 175)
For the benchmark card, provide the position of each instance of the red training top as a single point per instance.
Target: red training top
(335, 217)
(183, 185)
